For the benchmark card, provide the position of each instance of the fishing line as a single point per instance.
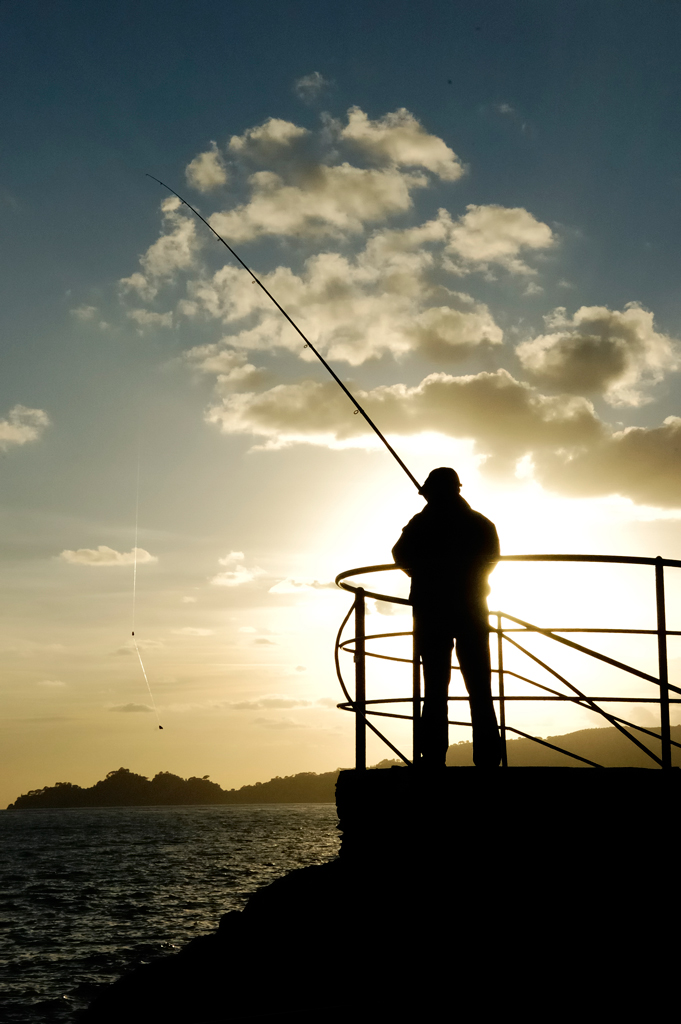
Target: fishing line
(134, 593)
(308, 343)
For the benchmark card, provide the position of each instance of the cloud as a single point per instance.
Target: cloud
(398, 138)
(384, 299)
(85, 313)
(239, 574)
(445, 332)
(498, 234)
(192, 631)
(89, 314)
(231, 558)
(310, 86)
(235, 577)
(271, 142)
(640, 463)
(21, 426)
(105, 556)
(269, 703)
(229, 365)
(175, 250)
(291, 586)
(388, 608)
(343, 180)
(572, 451)
(601, 351)
(337, 200)
(147, 318)
(279, 723)
(51, 682)
(131, 707)
(504, 416)
(307, 188)
(207, 170)
(143, 645)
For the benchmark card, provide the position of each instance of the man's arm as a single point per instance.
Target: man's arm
(404, 551)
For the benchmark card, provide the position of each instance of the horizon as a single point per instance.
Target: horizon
(471, 212)
(384, 763)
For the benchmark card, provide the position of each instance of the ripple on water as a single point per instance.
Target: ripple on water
(88, 893)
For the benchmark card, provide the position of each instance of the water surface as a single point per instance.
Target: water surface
(87, 893)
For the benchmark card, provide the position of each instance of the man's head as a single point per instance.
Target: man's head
(441, 484)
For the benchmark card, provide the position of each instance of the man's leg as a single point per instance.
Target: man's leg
(472, 650)
(435, 647)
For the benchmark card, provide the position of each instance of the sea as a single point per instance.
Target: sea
(86, 894)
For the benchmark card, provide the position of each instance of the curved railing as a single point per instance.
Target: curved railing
(364, 708)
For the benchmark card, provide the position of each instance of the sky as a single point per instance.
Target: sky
(472, 210)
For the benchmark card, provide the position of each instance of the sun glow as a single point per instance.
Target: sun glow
(549, 595)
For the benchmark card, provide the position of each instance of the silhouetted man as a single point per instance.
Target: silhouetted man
(449, 551)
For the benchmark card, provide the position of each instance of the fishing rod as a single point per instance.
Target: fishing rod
(308, 343)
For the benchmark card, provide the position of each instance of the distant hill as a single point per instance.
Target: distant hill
(607, 747)
(123, 788)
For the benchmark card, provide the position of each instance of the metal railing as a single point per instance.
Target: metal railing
(364, 708)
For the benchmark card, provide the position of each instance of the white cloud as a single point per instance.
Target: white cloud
(137, 282)
(147, 318)
(572, 450)
(269, 142)
(131, 707)
(498, 234)
(601, 351)
(310, 86)
(291, 586)
(51, 682)
(207, 170)
(175, 250)
(235, 577)
(400, 139)
(336, 200)
(307, 189)
(389, 297)
(274, 701)
(387, 608)
(192, 631)
(105, 556)
(21, 426)
(143, 645)
(279, 723)
(89, 314)
(382, 300)
(229, 365)
(500, 413)
(231, 558)
(85, 312)
(238, 575)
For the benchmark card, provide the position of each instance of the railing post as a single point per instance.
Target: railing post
(416, 699)
(360, 683)
(502, 702)
(665, 734)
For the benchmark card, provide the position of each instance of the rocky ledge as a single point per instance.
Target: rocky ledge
(458, 893)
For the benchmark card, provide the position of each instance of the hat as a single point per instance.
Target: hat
(441, 483)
